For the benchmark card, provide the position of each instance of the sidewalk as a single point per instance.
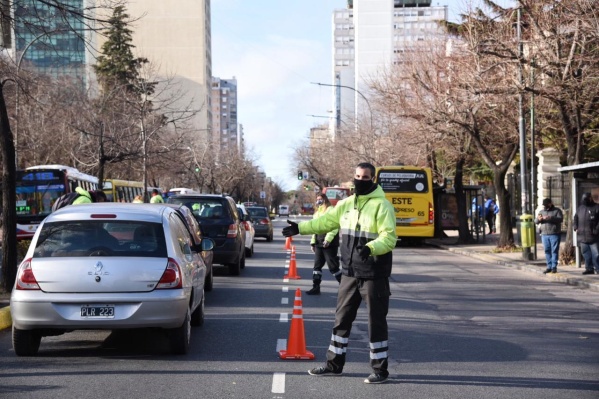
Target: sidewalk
(484, 250)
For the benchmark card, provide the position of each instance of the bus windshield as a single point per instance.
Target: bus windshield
(36, 192)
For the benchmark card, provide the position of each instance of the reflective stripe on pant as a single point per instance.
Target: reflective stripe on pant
(351, 293)
(322, 256)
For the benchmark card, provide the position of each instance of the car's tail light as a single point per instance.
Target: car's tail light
(171, 278)
(246, 226)
(263, 221)
(431, 213)
(26, 280)
(232, 232)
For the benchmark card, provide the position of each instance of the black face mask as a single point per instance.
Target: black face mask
(362, 187)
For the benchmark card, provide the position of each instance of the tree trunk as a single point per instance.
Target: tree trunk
(464, 232)
(9, 208)
(506, 234)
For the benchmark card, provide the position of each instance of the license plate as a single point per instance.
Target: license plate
(99, 312)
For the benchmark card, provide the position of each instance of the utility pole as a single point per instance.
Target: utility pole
(522, 131)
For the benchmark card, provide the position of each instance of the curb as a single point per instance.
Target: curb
(578, 282)
(5, 319)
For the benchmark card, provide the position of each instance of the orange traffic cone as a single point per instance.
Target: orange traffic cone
(296, 344)
(288, 242)
(292, 273)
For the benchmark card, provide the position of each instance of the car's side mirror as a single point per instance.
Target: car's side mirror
(207, 244)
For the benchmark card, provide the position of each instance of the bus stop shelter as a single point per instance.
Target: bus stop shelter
(585, 179)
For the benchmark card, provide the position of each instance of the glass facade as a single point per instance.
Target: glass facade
(50, 40)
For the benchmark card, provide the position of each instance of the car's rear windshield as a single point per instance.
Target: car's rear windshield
(101, 238)
(257, 212)
(204, 208)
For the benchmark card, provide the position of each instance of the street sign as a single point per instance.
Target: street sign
(262, 194)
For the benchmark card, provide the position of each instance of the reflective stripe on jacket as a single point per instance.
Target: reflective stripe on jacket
(332, 237)
(362, 220)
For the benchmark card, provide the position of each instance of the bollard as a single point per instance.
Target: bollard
(527, 235)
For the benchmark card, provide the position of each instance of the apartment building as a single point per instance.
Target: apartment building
(368, 36)
(175, 36)
(224, 114)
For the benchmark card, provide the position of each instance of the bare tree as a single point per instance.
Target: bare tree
(37, 21)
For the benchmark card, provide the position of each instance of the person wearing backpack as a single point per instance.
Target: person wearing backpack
(79, 196)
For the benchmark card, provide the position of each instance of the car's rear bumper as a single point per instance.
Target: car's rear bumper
(159, 308)
(262, 231)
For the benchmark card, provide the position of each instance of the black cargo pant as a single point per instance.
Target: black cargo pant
(376, 294)
(329, 256)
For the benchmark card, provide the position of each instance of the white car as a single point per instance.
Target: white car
(109, 266)
(250, 232)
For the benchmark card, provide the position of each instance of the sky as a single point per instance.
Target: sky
(276, 49)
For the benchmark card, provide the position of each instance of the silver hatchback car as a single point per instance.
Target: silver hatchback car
(109, 266)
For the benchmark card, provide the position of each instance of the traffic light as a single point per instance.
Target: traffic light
(300, 176)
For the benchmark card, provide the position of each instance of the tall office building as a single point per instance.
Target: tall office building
(45, 41)
(224, 114)
(175, 36)
(368, 36)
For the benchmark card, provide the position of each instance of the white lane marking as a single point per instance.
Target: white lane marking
(284, 301)
(283, 318)
(285, 280)
(281, 344)
(278, 383)
(285, 289)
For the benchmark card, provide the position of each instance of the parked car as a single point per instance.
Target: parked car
(197, 235)
(246, 221)
(109, 266)
(219, 219)
(262, 222)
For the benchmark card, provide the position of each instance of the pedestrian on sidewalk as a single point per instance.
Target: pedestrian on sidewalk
(491, 209)
(366, 221)
(549, 222)
(586, 226)
(324, 247)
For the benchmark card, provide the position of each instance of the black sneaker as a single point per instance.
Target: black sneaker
(376, 378)
(314, 291)
(323, 371)
(588, 272)
(553, 270)
(547, 271)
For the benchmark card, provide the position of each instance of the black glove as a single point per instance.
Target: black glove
(291, 230)
(364, 253)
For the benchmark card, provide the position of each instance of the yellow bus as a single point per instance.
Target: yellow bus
(410, 190)
(123, 190)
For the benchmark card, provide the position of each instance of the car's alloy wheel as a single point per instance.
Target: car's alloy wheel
(181, 336)
(25, 342)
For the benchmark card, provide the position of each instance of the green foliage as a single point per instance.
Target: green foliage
(117, 66)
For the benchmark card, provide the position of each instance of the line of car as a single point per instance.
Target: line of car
(123, 266)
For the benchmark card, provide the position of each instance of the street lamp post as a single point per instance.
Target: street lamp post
(338, 119)
(526, 254)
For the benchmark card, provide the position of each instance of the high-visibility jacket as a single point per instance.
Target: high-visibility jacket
(84, 197)
(156, 199)
(332, 237)
(362, 220)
